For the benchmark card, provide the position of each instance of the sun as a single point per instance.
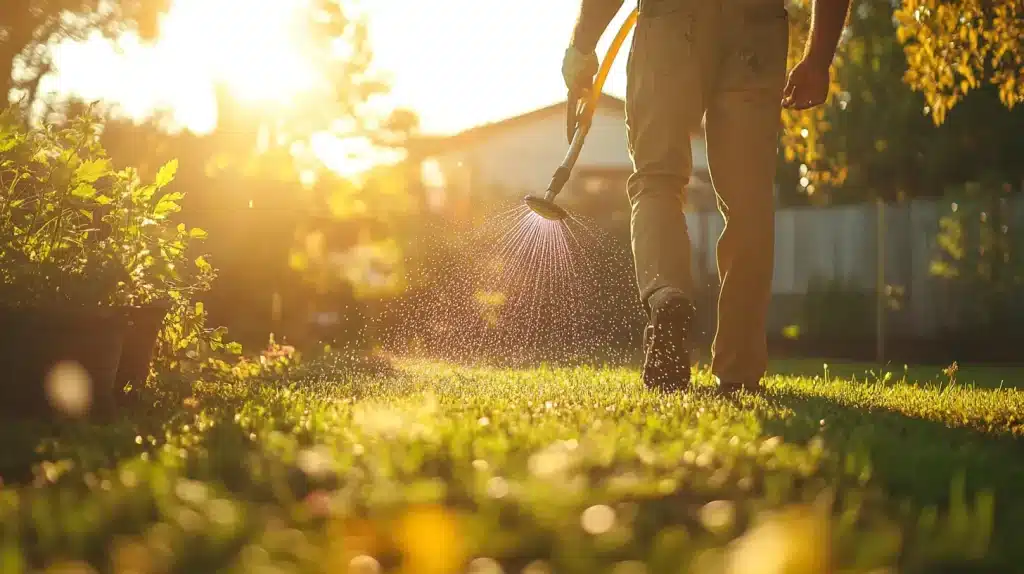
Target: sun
(259, 51)
(252, 47)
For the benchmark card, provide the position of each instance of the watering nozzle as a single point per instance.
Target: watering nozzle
(545, 207)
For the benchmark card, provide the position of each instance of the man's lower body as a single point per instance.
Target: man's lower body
(725, 63)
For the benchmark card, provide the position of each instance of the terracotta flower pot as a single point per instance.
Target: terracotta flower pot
(56, 362)
(143, 326)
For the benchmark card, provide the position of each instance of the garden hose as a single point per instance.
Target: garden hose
(583, 115)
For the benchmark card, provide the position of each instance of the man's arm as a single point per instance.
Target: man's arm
(827, 20)
(595, 15)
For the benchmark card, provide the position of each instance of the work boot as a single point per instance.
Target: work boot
(734, 389)
(666, 349)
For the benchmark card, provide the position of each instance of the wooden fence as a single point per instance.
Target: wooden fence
(840, 246)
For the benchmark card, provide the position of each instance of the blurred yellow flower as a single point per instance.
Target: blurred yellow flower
(792, 541)
(431, 541)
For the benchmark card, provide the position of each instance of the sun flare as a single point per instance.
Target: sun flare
(251, 46)
(259, 51)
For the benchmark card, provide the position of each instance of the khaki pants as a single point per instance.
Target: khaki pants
(724, 62)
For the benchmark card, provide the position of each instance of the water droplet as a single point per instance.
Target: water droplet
(497, 487)
(69, 388)
(598, 519)
(191, 491)
(315, 462)
(222, 512)
(484, 566)
(718, 515)
(364, 564)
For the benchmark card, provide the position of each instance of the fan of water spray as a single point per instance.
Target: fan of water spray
(534, 283)
(519, 289)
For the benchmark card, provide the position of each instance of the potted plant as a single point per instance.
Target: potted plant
(88, 259)
(161, 273)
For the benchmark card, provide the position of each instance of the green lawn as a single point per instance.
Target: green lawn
(446, 469)
(984, 376)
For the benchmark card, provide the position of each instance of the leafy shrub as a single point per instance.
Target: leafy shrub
(74, 231)
(832, 309)
(979, 249)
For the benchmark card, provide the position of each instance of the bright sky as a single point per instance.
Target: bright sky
(458, 63)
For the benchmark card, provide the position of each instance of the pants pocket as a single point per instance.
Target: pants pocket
(761, 50)
(662, 39)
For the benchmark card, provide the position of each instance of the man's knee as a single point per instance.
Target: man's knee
(663, 189)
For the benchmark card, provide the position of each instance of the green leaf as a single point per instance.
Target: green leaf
(168, 204)
(234, 348)
(197, 233)
(91, 170)
(102, 200)
(8, 143)
(166, 173)
(83, 191)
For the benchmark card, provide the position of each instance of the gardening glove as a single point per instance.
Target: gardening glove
(578, 71)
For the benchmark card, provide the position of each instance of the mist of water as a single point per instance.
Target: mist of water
(518, 289)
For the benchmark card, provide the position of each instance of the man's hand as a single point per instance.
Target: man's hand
(578, 70)
(807, 85)
(579, 66)
(808, 81)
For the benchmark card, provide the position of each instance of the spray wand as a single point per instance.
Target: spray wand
(584, 114)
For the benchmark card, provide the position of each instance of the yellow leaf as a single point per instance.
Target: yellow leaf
(298, 261)
(166, 173)
(91, 170)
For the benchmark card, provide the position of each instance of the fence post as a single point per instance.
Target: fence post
(880, 284)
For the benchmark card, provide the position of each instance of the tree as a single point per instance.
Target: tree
(277, 217)
(878, 133)
(954, 47)
(28, 28)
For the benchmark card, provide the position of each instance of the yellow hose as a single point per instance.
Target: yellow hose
(588, 107)
(584, 116)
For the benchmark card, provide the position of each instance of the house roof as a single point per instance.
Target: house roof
(434, 144)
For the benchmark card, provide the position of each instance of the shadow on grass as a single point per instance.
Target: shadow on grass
(917, 460)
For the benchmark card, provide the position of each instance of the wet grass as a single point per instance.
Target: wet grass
(441, 468)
